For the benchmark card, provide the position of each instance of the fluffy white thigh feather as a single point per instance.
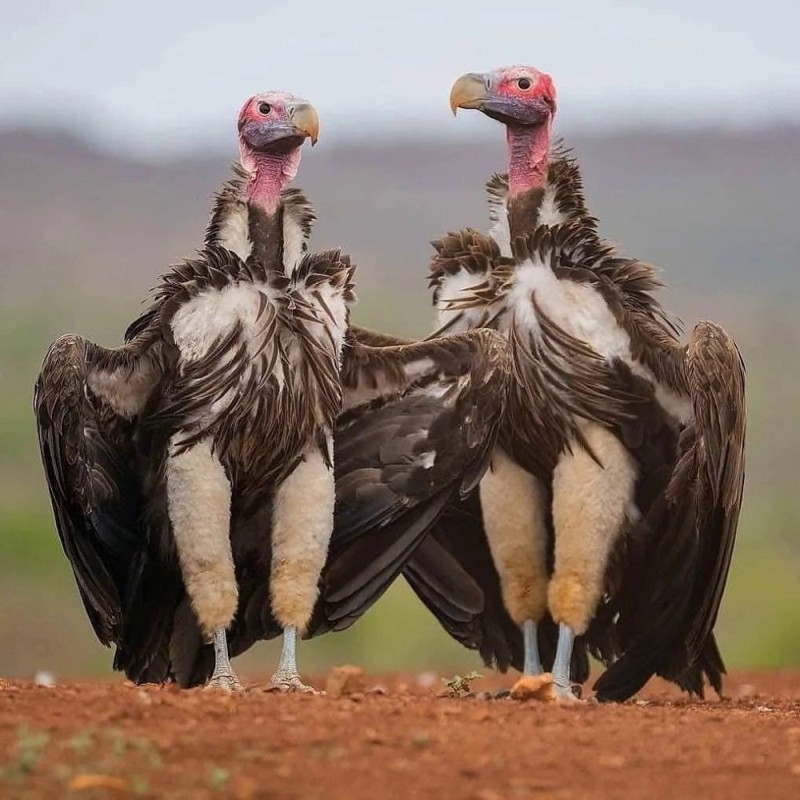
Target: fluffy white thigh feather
(514, 517)
(301, 530)
(590, 507)
(199, 507)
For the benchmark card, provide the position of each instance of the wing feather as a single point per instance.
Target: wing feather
(89, 462)
(420, 423)
(454, 575)
(717, 379)
(668, 617)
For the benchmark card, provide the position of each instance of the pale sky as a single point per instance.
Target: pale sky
(165, 75)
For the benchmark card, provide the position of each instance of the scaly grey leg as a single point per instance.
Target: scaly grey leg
(223, 676)
(533, 663)
(562, 664)
(286, 677)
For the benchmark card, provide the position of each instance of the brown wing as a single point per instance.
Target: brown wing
(667, 621)
(418, 425)
(453, 574)
(85, 401)
(717, 378)
(376, 338)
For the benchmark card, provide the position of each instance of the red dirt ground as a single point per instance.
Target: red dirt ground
(405, 743)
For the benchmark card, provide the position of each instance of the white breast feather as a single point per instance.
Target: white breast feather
(212, 314)
(580, 310)
(198, 324)
(457, 287)
(334, 300)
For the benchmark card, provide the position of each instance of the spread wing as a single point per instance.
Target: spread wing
(85, 401)
(418, 424)
(453, 573)
(668, 627)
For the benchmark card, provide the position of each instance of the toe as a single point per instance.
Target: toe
(225, 683)
(288, 682)
(565, 694)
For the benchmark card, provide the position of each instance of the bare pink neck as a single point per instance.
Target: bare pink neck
(528, 151)
(269, 176)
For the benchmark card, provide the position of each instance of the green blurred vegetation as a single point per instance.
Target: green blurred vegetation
(42, 624)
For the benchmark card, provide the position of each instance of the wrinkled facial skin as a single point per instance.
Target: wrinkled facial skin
(276, 123)
(511, 95)
(524, 101)
(272, 127)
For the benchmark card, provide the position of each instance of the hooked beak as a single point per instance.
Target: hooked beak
(469, 91)
(282, 136)
(305, 120)
(476, 90)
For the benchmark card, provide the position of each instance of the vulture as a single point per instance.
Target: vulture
(242, 467)
(612, 498)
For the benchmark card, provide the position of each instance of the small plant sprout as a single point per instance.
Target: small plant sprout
(218, 778)
(460, 685)
(29, 751)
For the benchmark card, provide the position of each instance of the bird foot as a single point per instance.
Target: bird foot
(567, 694)
(225, 682)
(544, 689)
(290, 682)
(535, 687)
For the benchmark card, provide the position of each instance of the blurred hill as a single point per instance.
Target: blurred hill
(718, 209)
(85, 232)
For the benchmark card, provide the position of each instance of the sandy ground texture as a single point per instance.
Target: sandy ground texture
(395, 737)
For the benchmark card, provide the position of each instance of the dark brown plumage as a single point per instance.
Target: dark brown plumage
(393, 411)
(666, 574)
(89, 461)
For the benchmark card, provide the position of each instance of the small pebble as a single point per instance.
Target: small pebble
(345, 680)
(421, 740)
(426, 680)
(373, 737)
(44, 678)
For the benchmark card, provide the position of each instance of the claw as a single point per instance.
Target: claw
(226, 682)
(568, 694)
(290, 682)
(286, 677)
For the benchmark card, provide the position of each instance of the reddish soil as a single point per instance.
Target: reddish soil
(404, 743)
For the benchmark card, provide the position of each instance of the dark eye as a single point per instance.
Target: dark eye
(264, 108)
(524, 84)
